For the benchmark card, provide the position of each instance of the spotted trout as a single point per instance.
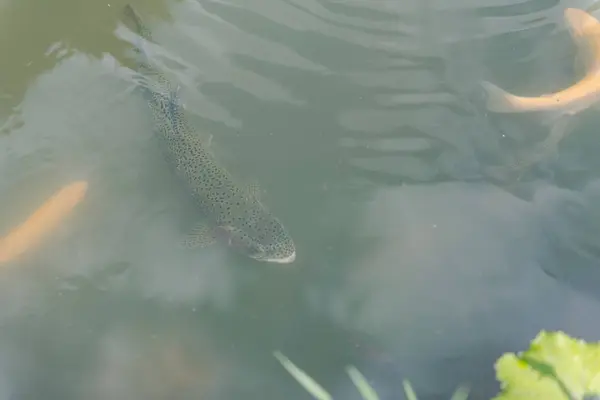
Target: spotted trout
(232, 212)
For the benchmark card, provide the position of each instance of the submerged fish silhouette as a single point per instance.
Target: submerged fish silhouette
(585, 31)
(42, 221)
(232, 211)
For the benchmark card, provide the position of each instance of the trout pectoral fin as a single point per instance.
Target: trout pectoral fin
(201, 235)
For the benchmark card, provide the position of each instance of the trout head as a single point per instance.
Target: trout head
(261, 236)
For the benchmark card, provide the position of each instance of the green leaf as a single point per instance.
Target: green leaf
(555, 367)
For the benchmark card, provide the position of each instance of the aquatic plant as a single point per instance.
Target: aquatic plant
(555, 367)
(367, 392)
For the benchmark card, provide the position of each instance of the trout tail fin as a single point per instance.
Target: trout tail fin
(498, 100)
(139, 26)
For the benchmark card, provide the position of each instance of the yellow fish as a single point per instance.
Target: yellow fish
(585, 31)
(42, 221)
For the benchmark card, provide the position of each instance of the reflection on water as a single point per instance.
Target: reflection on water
(363, 125)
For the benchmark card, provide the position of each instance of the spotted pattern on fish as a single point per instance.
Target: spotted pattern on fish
(232, 209)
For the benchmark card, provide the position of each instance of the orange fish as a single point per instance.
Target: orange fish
(585, 31)
(42, 221)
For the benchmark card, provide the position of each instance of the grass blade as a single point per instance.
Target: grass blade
(366, 390)
(461, 393)
(306, 381)
(408, 390)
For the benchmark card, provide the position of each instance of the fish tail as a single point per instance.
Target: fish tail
(498, 100)
(131, 14)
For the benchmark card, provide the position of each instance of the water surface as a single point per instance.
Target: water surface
(363, 125)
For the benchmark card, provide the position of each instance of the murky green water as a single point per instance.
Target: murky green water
(361, 122)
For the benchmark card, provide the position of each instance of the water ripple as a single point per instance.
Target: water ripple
(318, 99)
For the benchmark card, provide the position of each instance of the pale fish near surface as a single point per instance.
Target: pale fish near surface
(585, 31)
